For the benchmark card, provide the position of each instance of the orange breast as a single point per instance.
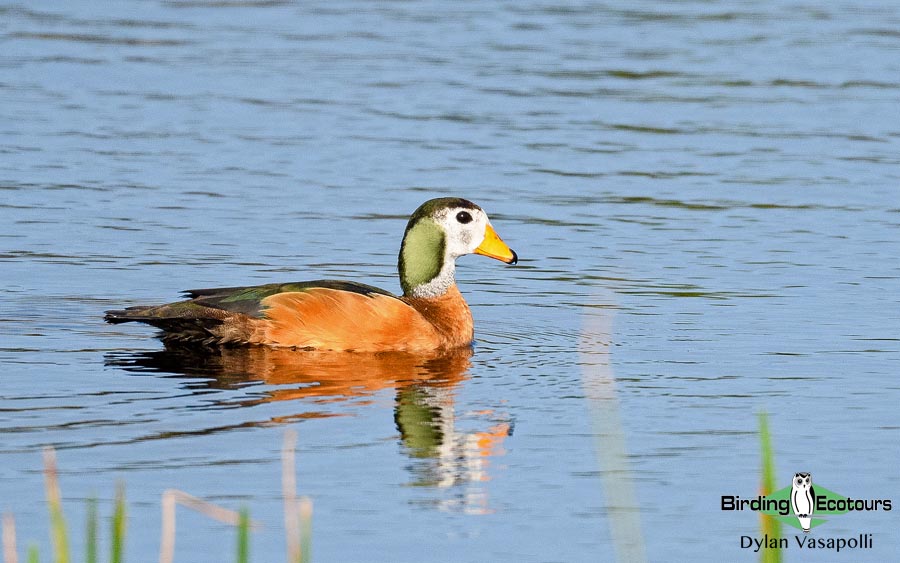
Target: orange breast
(330, 319)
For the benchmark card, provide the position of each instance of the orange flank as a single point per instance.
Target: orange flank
(328, 319)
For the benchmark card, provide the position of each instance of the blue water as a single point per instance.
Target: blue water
(703, 196)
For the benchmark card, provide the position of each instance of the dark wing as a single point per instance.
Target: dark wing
(248, 300)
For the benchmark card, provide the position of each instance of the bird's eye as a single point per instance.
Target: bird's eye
(464, 217)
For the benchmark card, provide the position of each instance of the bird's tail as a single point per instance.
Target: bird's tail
(131, 314)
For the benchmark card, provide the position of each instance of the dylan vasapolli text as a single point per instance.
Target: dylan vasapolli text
(863, 541)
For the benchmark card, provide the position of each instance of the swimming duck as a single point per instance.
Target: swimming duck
(431, 315)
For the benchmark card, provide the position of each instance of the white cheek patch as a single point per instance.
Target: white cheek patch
(462, 238)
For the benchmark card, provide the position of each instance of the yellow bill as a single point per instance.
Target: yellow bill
(493, 246)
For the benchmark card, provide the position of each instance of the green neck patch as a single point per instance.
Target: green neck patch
(421, 254)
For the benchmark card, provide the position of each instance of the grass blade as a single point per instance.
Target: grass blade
(617, 479)
(90, 555)
(33, 555)
(173, 497)
(289, 492)
(10, 553)
(243, 546)
(167, 533)
(119, 523)
(769, 525)
(54, 503)
(304, 515)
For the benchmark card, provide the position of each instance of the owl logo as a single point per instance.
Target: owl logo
(803, 499)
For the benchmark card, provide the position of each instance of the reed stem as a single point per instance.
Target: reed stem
(54, 503)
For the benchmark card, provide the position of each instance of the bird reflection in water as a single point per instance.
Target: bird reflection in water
(447, 450)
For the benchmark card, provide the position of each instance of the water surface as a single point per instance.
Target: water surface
(703, 195)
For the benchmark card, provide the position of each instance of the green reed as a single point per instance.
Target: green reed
(90, 555)
(304, 509)
(243, 538)
(118, 525)
(769, 525)
(54, 504)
